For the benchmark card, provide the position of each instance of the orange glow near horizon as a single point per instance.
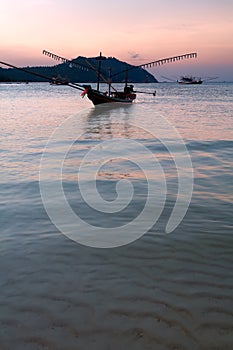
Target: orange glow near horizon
(136, 33)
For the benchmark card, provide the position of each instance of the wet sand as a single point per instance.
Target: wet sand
(161, 292)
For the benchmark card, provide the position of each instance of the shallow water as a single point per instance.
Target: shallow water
(162, 291)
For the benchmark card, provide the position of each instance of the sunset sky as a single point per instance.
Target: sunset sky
(134, 31)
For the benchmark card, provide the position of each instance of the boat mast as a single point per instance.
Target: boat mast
(126, 76)
(99, 58)
(109, 84)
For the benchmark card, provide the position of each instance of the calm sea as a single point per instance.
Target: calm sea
(201, 116)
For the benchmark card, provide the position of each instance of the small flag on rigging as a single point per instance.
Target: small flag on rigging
(84, 92)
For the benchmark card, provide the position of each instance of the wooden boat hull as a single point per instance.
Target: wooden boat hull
(98, 97)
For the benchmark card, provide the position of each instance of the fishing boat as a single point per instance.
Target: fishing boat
(190, 80)
(128, 94)
(58, 80)
(95, 95)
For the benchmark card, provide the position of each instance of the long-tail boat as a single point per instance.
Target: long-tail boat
(127, 95)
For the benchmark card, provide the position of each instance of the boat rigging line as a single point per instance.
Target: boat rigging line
(128, 94)
(82, 66)
(160, 62)
(73, 85)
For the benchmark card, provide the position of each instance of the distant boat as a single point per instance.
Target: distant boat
(189, 80)
(127, 95)
(59, 81)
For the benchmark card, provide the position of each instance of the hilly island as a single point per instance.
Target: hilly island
(78, 75)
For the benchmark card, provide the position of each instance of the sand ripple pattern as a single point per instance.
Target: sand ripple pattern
(158, 293)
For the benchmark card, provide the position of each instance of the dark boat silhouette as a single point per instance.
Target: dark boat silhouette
(190, 80)
(127, 95)
(97, 97)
